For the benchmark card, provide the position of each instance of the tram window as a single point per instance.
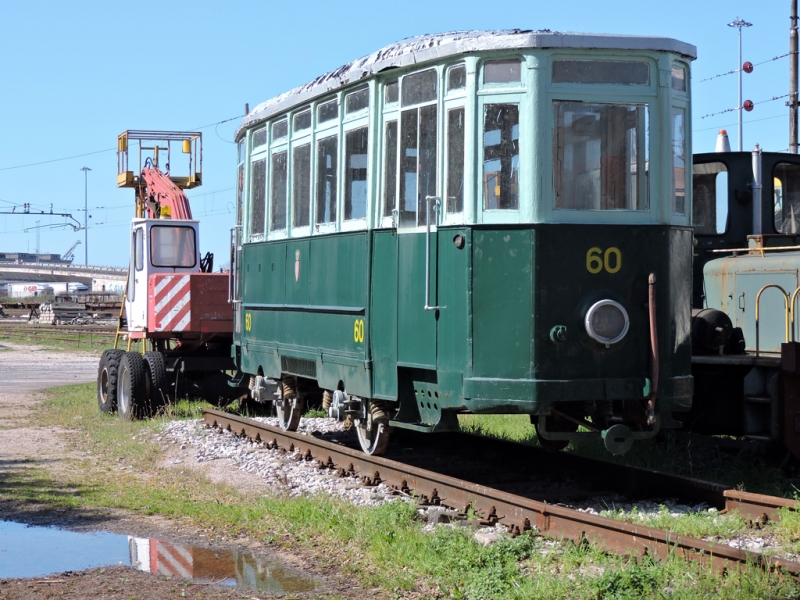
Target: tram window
(280, 129)
(678, 78)
(501, 71)
(327, 151)
(601, 71)
(302, 120)
(601, 156)
(710, 198)
(419, 87)
(786, 181)
(356, 101)
(277, 196)
(457, 78)
(390, 169)
(678, 161)
(172, 247)
(455, 160)
(240, 149)
(417, 164)
(501, 156)
(239, 193)
(328, 111)
(355, 160)
(260, 137)
(301, 185)
(258, 195)
(390, 93)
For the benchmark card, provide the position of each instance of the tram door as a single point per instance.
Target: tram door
(416, 327)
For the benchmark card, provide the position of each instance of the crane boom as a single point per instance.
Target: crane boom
(160, 192)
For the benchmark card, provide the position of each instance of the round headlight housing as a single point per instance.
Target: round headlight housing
(607, 322)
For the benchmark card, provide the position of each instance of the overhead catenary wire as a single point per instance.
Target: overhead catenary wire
(727, 110)
(734, 71)
(114, 149)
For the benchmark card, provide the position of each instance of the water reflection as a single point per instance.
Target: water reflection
(31, 551)
(225, 567)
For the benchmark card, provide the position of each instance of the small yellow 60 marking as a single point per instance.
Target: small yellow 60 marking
(248, 321)
(597, 260)
(358, 330)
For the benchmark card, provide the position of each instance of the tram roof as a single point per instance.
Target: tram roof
(431, 47)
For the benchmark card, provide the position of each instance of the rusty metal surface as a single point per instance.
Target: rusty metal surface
(515, 512)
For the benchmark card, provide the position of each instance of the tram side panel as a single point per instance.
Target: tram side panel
(301, 302)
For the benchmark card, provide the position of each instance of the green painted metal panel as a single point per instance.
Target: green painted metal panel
(383, 316)
(502, 291)
(297, 272)
(454, 290)
(416, 327)
(732, 284)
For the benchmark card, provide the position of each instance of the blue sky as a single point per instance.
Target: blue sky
(76, 74)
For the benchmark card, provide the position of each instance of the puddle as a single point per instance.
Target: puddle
(28, 551)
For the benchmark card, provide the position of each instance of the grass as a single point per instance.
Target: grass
(384, 547)
(54, 339)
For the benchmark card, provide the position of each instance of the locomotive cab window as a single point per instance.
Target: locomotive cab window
(786, 182)
(601, 156)
(172, 246)
(710, 198)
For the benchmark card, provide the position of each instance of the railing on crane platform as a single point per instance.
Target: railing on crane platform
(152, 147)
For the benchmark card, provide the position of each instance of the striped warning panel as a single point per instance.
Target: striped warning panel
(173, 303)
(171, 559)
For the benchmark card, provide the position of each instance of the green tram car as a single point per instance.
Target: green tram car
(473, 222)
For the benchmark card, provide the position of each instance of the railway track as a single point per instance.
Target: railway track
(521, 510)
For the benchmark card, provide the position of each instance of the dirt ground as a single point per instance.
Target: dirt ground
(25, 371)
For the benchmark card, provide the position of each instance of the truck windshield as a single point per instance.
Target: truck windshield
(601, 156)
(786, 180)
(172, 246)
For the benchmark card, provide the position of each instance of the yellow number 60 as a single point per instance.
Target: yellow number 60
(358, 330)
(248, 321)
(596, 262)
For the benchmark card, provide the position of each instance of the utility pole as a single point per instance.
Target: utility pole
(38, 252)
(86, 204)
(793, 80)
(739, 23)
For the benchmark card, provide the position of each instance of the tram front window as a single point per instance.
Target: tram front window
(601, 156)
(786, 180)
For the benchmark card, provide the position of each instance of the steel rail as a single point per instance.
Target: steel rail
(517, 513)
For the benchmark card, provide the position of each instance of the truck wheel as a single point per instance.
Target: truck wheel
(132, 398)
(107, 378)
(157, 382)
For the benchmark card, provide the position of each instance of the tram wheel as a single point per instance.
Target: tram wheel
(290, 405)
(107, 380)
(374, 431)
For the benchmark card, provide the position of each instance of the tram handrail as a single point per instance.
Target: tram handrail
(428, 249)
(787, 308)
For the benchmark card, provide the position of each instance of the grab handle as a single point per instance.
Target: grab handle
(428, 248)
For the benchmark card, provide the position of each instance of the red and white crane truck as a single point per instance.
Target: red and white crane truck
(174, 304)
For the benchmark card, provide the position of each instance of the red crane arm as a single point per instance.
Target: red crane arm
(160, 192)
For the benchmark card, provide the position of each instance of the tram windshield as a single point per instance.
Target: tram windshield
(601, 156)
(786, 180)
